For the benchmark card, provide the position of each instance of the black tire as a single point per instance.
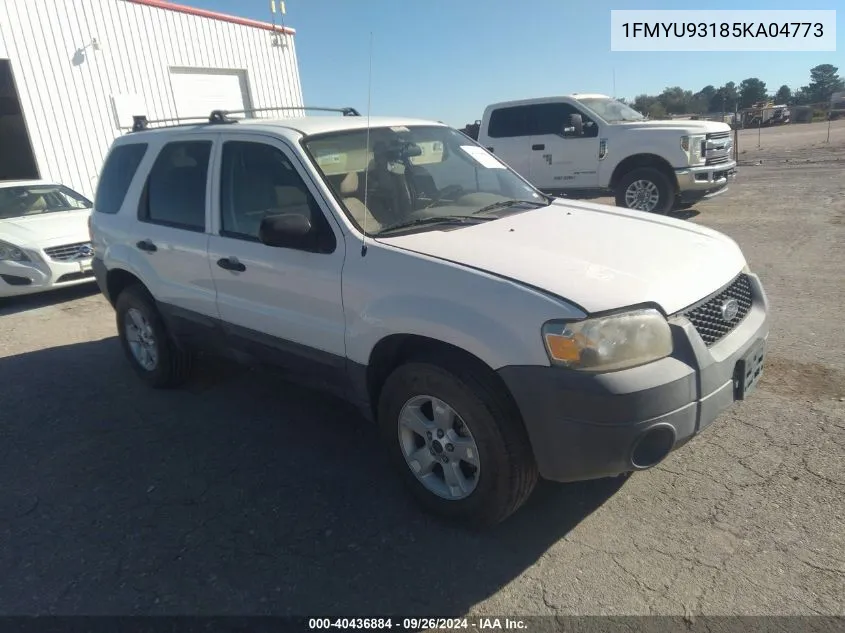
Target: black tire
(174, 364)
(508, 472)
(666, 192)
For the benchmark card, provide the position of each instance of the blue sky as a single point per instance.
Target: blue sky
(447, 59)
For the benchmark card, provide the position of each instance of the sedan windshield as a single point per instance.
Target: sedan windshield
(417, 178)
(611, 110)
(26, 200)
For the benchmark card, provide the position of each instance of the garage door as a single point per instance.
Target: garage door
(198, 91)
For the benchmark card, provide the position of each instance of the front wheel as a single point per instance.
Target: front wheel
(645, 189)
(458, 444)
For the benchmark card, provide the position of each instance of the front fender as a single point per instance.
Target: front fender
(455, 323)
(394, 291)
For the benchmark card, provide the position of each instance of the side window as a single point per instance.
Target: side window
(116, 176)
(175, 190)
(510, 122)
(258, 180)
(552, 118)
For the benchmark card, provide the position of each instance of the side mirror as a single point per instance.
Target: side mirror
(287, 230)
(578, 123)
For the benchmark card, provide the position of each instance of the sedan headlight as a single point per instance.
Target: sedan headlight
(10, 252)
(617, 341)
(693, 147)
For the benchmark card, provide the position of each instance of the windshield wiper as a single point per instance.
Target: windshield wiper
(435, 219)
(509, 203)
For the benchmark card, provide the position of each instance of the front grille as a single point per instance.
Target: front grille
(717, 136)
(75, 276)
(717, 161)
(706, 316)
(69, 252)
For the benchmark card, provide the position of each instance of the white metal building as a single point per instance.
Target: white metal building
(73, 73)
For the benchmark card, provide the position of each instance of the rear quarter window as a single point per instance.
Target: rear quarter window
(116, 176)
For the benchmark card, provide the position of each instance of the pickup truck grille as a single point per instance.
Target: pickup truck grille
(69, 252)
(718, 148)
(707, 316)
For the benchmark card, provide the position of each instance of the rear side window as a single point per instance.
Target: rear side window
(116, 176)
(175, 191)
(512, 121)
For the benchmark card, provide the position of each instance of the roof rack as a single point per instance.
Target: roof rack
(141, 122)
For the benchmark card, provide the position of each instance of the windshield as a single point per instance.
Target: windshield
(26, 200)
(611, 110)
(421, 175)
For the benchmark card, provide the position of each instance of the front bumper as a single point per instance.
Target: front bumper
(707, 181)
(38, 275)
(587, 426)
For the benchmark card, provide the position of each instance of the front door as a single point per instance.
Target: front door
(283, 305)
(560, 157)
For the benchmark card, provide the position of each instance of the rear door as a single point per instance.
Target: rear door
(509, 137)
(170, 240)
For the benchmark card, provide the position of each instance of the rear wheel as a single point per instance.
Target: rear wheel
(645, 189)
(458, 444)
(151, 351)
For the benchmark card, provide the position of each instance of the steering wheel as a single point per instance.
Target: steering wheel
(446, 192)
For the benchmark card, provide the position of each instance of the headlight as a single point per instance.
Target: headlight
(10, 252)
(693, 147)
(608, 343)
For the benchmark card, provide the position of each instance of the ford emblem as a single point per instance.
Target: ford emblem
(729, 309)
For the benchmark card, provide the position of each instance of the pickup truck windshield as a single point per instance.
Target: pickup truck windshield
(611, 110)
(414, 176)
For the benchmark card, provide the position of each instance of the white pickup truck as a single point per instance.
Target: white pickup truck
(589, 145)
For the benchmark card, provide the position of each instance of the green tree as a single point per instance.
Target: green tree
(657, 111)
(676, 100)
(725, 98)
(702, 99)
(751, 91)
(824, 81)
(643, 102)
(783, 96)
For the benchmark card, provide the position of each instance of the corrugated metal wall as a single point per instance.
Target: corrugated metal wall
(66, 87)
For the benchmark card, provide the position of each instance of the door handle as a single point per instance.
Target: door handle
(231, 264)
(538, 147)
(147, 245)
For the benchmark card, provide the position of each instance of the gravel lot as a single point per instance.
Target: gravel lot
(244, 495)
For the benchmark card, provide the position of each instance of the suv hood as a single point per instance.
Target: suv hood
(598, 256)
(46, 229)
(681, 126)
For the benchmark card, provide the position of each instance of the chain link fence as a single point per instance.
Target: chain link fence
(807, 133)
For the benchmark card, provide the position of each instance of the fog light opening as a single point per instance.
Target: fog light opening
(653, 447)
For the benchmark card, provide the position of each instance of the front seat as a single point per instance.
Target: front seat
(349, 187)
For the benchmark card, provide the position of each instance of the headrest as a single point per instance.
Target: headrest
(349, 185)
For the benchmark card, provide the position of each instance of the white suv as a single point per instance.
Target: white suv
(494, 335)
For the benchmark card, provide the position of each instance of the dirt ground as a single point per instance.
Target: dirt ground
(243, 495)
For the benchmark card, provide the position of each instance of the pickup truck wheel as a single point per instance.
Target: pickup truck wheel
(645, 189)
(150, 349)
(459, 445)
